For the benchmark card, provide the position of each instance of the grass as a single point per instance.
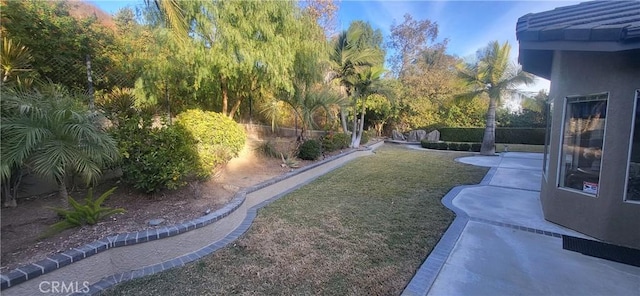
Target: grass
(362, 229)
(520, 148)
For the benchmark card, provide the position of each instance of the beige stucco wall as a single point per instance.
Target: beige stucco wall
(606, 217)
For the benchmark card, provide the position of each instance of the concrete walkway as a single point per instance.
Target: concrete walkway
(500, 244)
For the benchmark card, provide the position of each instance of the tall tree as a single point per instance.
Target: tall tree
(324, 13)
(355, 52)
(427, 74)
(409, 40)
(366, 83)
(244, 45)
(59, 42)
(492, 74)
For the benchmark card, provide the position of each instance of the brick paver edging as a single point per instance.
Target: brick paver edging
(59, 260)
(252, 212)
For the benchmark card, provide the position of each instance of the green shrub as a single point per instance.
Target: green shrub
(334, 141)
(454, 146)
(475, 147)
(464, 147)
(268, 149)
(442, 146)
(429, 145)
(153, 158)
(89, 213)
(156, 158)
(455, 134)
(531, 136)
(218, 138)
(342, 140)
(310, 150)
(366, 136)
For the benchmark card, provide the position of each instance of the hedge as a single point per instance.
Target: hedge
(218, 138)
(529, 136)
(475, 147)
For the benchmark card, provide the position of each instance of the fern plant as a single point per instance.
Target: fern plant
(89, 213)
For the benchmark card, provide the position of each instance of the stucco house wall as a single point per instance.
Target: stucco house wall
(606, 216)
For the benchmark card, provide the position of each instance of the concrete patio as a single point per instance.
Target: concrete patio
(500, 243)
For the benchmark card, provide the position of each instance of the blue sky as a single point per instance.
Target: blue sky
(469, 25)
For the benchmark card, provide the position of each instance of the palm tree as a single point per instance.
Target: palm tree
(494, 75)
(365, 84)
(305, 104)
(44, 132)
(346, 61)
(15, 61)
(174, 14)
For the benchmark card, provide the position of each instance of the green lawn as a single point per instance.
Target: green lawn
(362, 229)
(520, 148)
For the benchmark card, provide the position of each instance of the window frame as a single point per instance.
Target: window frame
(626, 175)
(561, 158)
(547, 138)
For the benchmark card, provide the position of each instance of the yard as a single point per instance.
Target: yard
(362, 229)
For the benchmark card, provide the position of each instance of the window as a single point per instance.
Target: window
(632, 192)
(547, 139)
(582, 143)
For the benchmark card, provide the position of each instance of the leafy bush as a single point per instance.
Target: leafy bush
(268, 149)
(442, 146)
(531, 136)
(310, 150)
(525, 118)
(366, 136)
(332, 141)
(464, 147)
(153, 158)
(429, 145)
(90, 212)
(218, 137)
(461, 134)
(475, 147)
(454, 146)
(156, 158)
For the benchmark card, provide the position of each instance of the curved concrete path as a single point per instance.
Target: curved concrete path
(103, 270)
(500, 244)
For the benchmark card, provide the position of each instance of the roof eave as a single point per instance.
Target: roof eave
(564, 45)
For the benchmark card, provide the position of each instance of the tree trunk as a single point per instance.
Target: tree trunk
(379, 126)
(354, 133)
(166, 95)
(343, 120)
(63, 194)
(9, 199)
(489, 138)
(361, 126)
(235, 108)
(11, 189)
(225, 95)
(90, 85)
